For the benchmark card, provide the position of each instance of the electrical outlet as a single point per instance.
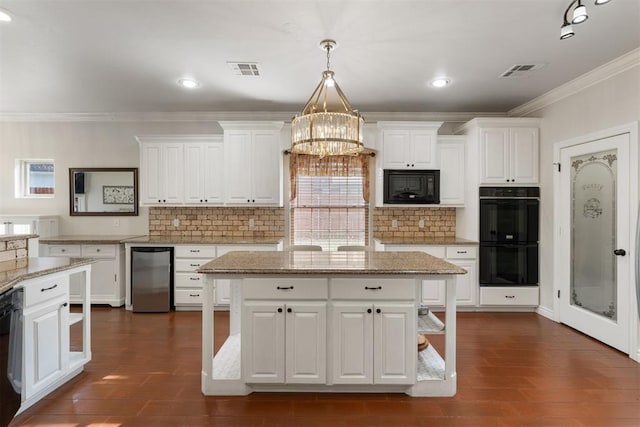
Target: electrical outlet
(176, 222)
(116, 223)
(421, 223)
(394, 223)
(252, 223)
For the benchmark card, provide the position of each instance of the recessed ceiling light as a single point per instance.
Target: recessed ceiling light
(188, 83)
(4, 16)
(440, 82)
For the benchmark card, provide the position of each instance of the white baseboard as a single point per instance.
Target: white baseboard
(545, 312)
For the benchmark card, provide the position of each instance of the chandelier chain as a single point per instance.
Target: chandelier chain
(328, 56)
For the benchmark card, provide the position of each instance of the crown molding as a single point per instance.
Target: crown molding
(595, 76)
(370, 117)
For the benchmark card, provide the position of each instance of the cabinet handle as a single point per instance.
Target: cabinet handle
(63, 250)
(289, 310)
(368, 310)
(284, 288)
(194, 295)
(377, 288)
(279, 310)
(461, 252)
(65, 304)
(194, 251)
(97, 250)
(194, 278)
(49, 288)
(378, 310)
(194, 265)
(510, 296)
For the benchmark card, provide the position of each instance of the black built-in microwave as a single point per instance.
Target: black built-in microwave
(411, 186)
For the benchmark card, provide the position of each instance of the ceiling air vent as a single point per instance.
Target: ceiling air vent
(521, 70)
(244, 68)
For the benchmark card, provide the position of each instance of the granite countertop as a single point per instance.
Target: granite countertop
(7, 237)
(320, 263)
(207, 240)
(12, 272)
(424, 241)
(87, 239)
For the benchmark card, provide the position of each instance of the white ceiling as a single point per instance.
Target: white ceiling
(101, 56)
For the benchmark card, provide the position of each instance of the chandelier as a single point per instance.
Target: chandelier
(328, 125)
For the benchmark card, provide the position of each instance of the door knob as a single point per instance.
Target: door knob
(620, 252)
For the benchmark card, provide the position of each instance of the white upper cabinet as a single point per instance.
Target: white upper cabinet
(509, 155)
(204, 172)
(161, 171)
(409, 145)
(252, 163)
(452, 169)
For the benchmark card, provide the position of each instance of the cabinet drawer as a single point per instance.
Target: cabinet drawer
(45, 289)
(461, 252)
(196, 251)
(64, 250)
(99, 251)
(373, 289)
(189, 280)
(190, 264)
(509, 296)
(284, 289)
(187, 297)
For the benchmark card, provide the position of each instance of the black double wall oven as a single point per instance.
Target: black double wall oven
(509, 222)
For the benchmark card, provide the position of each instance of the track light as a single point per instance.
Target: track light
(579, 16)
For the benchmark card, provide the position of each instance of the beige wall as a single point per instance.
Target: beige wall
(609, 103)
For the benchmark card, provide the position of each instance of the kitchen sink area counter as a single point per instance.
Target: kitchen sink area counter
(329, 322)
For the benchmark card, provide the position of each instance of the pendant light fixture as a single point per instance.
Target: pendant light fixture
(579, 16)
(328, 125)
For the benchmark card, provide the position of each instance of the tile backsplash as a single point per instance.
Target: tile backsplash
(216, 221)
(414, 222)
(13, 249)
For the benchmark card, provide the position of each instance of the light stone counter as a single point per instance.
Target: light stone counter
(12, 272)
(429, 241)
(88, 239)
(205, 240)
(8, 237)
(332, 263)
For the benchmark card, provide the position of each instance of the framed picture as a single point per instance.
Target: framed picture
(117, 195)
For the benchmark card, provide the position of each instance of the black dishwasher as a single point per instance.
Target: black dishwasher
(10, 354)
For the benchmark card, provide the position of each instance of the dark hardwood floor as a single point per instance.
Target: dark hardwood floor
(514, 369)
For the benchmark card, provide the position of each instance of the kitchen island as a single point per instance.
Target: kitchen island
(328, 322)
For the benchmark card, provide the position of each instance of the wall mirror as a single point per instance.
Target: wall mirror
(103, 191)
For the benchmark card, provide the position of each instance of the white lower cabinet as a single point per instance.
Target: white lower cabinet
(46, 345)
(373, 343)
(284, 342)
(47, 359)
(107, 273)
(187, 281)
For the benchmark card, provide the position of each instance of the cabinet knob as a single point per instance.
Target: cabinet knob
(289, 310)
(248, 201)
(205, 200)
(407, 164)
(159, 201)
(253, 201)
(368, 310)
(279, 310)
(97, 250)
(64, 304)
(378, 310)
(412, 165)
(200, 200)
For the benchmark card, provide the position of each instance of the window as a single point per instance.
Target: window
(34, 178)
(329, 203)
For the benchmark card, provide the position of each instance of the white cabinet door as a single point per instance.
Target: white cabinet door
(352, 343)
(494, 156)
(237, 166)
(452, 171)
(161, 165)
(46, 345)
(104, 282)
(524, 155)
(306, 338)
(466, 284)
(204, 173)
(396, 149)
(394, 341)
(265, 167)
(223, 292)
(423, 150)
(262, 342)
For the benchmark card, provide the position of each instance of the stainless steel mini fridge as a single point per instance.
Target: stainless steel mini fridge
(151, 279)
